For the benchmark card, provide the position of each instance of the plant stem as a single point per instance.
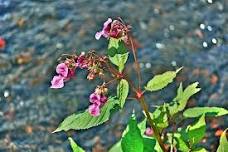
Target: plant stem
(150, 120)
(141, 99)
(136, 63)
(116, 74)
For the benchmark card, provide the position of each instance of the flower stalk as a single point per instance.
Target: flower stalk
(150, 121)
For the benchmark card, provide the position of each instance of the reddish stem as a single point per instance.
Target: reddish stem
(136, 62)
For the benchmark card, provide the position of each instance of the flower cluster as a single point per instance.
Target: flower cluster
(66, 70)
(93, 63)
(113, 28)
(97, 99)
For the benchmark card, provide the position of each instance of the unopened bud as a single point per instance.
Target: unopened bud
(90, 76)
(98, 90)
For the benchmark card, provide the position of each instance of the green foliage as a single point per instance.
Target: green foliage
(122, 92)
(223, 143)
(74, 146)
(180, 102)
(133, 137)
(132, 140)
(117, 147)
(149, 144)
(117, 52)
(160, 117)
(199, 150)
(119, 60)
(84, 120)
(196, 132)
(160, 81)
(189, 137)
(180, 143)
(208, 111)
(116, 46)
(162, 113)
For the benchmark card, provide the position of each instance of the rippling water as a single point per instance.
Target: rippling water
(193, 34)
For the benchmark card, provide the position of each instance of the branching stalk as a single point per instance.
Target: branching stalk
(150, 120)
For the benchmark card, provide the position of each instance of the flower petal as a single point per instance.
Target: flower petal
(106, 23)
(62, 69)
(94, 110)
(95, 99)
(57, 82)
(98, 35)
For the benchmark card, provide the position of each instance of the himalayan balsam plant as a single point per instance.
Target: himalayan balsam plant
(153, 134)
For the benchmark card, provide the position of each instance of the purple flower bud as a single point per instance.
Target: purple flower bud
(149, 132)
(81, 61)
(94, 110)
(57, 82)
(103, 99)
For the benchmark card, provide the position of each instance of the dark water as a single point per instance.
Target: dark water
(193, 34)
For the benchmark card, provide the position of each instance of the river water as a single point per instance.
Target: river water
(172, 33)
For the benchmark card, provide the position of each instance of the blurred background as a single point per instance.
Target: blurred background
(172, 33)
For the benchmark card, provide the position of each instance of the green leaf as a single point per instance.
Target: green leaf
(223, 143)
(181, 145)
(85, 120)
(161, 113)
(190, 136)
(74, 146)
(208, 111)
(116, 147)
(132, 140)
(160, 117)
(194, 133)
(117, 53)
(180, 102)
(149, 144)
(142, 126)
(200, 149)
(122, 92)
(119, 60)
(116, 46)
(160, 81)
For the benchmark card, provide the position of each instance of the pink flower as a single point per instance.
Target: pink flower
(57, 82)
(95, 99)
(62, 69)
(149, 132)
(103, 99)
(117, 29)
(94, 110)
(81, 61)
(105, 30)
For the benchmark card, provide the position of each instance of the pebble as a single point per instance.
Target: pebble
(205, 44)
(6, 93)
